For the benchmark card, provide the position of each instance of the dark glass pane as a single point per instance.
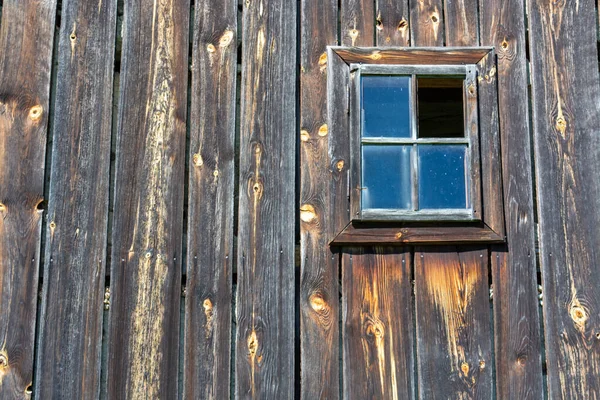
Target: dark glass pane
(386, 178)
(440, 107)
(442, 176)
(385, 106)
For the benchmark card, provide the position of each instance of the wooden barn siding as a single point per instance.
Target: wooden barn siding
(569, 271)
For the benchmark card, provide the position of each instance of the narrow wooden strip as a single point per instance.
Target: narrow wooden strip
(392, 23)
(566, 122)
(427, 23)
(378, 324)
(207, 340)
(461, 22)
(265, 295)
(357, 23)
(454, 345)
(356, 234)
(75, 259)
(26, 34)
(472, 131)
(516, 318)
(319, 291)
(416, 55)
(148, 209)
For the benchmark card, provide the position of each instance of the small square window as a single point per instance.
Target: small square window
(417, 157)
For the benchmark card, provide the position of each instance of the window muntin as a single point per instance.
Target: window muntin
(419, 114)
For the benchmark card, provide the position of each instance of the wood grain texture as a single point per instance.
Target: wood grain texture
(516, 318)
(454, 344)
(207, 342)
(377, 323)
(461, 22)
(566, 122)
(392, 23)
(319, 299)
(415, 55)
(26, 35)
(427, 23)
(75, 254)
(357, 19)
(265, 294)
(372, 234)
(148, 209)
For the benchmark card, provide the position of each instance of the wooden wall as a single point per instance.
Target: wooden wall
(158, 159)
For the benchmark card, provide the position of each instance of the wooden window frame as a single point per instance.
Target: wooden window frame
(485, 222)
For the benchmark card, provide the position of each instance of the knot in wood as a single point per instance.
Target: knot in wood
(307, 213)
(304, 135)
(340, 165)
(472, 89)
(207, 304)
(226, 39)
(257, 188)
(317, 302)
(52, 225)
(379, 23)
(465, 368)
(403, 24)
(323, 62)
(376, 55)
(504, 44)
(210, 48)
(561, 125)
(399, 235)
(481, 365)
(3, 207)
(197, 160)
(375, 328)
(252, 344)
(522, 360)
(3, 360)
(353, 33)
(434, 18)
(35, 113)
(323, 130)
(578, 314)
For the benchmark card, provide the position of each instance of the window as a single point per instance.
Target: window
(421, 129)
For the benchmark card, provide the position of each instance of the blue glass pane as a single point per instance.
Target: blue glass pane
(442, 178)
(386, 177)
(385, 106)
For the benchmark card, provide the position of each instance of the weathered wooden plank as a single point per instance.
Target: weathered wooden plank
(370, 234)
(415, 55)
(75, 256)
(427, 23)
(513, 268)
(319, 304)
(26, 35)
(207, 342)
(454, 344)
(566, 122)
(357, 18)
(148, 208)
(392, 23)
(377, 323)
(265, 295)
(461, 22)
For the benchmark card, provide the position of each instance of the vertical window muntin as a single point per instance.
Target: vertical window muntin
(467, 73)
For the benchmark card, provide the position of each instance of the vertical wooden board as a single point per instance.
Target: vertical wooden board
(207, 343)
(427, 23)
(516, 318)
(377, 324)
(566, 122)
(148, 209)
(265, 295)
(26, 36)
(392, 23)
(454, 349)
(357, 22)
(319, 304)
(462, 22)
(75, 256)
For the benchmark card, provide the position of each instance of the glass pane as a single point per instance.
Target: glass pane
(385, 106)
(386, 177)
(442, 176)
(440, 107)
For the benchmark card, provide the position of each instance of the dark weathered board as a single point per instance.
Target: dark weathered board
(426, 23)
(26, 34)
(75, 254)
(265, 293)
(148, 209)
(319, 299)
(207, 343)
(357, 20)
(461, 22)
(377, 234)
(454, 342)
(513, 268)
(566, 122)
(377, 322)
(392, 23)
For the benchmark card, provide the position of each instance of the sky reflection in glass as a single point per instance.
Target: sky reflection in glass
(442, 179)
(385, 106)
(386, 177)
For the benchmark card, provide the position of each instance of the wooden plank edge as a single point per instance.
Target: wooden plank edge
(413, 55)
